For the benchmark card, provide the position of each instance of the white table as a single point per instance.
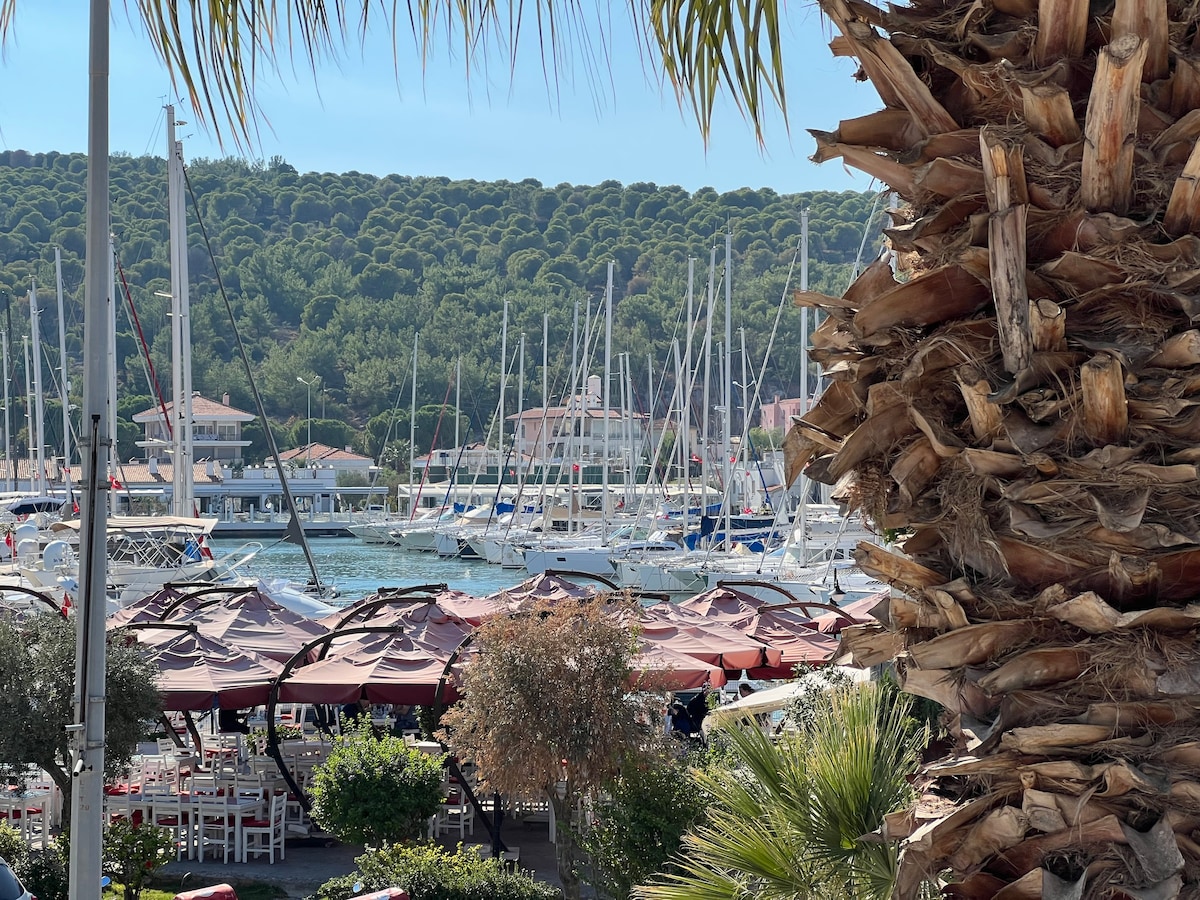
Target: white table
(239, 808)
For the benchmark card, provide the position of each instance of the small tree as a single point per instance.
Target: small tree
(640, 824)
(37, 668)
(375, 791)
(545, 710)
(132, 853)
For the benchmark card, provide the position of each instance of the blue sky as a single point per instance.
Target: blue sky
(361, 113)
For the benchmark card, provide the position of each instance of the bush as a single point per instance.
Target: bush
(429, 872)
(640, 827)
(12, 846)
(375, 791)
(45, 873)
(133, 853)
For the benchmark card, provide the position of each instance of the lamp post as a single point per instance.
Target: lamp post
(309, 384)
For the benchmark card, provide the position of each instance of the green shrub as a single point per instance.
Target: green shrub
(45, 873)
(375, 790)
(12, 846)
(133, 853)
(641, 826)
(429, 872)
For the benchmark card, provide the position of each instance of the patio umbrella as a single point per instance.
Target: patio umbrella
(255, 623)
(662, 669)
(386, 668)
(798, 643)
(149, 608)
(196, 672)
(711, 642)
(857, 612)
(542, 587)
(424, 622)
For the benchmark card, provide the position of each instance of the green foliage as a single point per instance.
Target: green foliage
(638, 827)
(131, 854)
(44, 872)
(375, 790)
(332, 275)
(12, 846)
(787, 816)
(36, 697)
(429, 872)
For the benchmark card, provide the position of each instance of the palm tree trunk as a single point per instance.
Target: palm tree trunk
(1022, 399)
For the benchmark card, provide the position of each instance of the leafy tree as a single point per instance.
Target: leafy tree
(545, 710)
(640, 823)
(375, 790)
(788, 817)
(36, 699)
(133, 852)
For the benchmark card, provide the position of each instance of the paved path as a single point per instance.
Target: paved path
(311, 862)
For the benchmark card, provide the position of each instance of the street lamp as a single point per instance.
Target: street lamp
(316, 379)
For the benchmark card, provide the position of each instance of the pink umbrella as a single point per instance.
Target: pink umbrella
(255, 623)
(387, 668)
(148, 609)
(425, 623)
(856, 612)
(197, 672)
(542, 587)
(711, 642)
(658, 668)
(797, 642)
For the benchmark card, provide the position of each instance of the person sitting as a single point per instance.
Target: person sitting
(405, 720)
(681, 723)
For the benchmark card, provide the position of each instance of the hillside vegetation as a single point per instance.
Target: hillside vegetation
(330, 275)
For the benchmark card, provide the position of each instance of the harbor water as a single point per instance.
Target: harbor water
(356, 568)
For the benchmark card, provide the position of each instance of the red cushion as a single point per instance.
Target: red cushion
(256, 823)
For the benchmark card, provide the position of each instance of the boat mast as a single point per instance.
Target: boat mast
(110, 322)
(500, 411)
(545, 396)
(706, 354)
(804, 311)
(685, 401)
(64, 386)
(412, 430)
(727, 378)
(9, 463)
(182, 479)
(29, 414)
(604, 391)
(518, 433)
(39, 416)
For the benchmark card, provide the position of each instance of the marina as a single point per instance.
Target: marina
(357, 569)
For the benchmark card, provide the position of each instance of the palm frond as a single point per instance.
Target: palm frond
(707, 45)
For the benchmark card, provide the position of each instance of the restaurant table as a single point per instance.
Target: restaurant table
(239, 808)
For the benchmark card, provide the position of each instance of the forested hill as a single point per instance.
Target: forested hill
(331, 275)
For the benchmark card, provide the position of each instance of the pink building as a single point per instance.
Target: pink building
(778, 414)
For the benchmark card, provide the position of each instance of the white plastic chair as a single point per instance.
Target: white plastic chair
(266, 835)
(213, 828)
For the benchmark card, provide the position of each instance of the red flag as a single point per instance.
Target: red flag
(574, 467)
(66, 604)
(114, 484)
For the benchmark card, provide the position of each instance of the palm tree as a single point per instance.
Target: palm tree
(1018, 396)
(787, 818)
